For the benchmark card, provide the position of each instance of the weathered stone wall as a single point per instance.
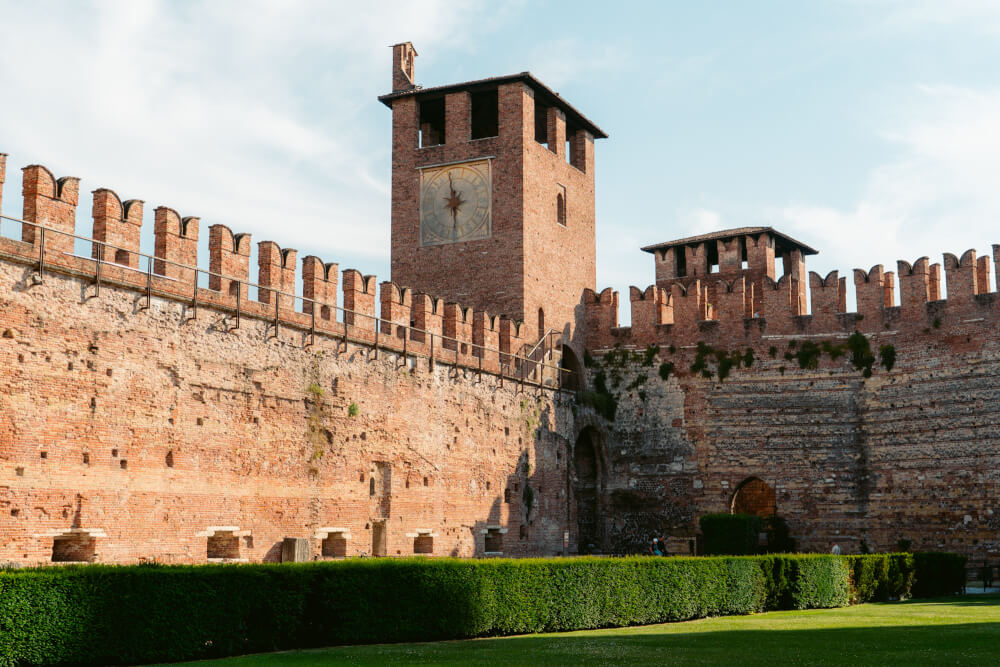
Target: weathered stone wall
(164, 428)
(912, 453)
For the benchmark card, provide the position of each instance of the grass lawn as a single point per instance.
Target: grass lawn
(943, 631)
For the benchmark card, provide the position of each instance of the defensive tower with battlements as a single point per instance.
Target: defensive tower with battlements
(493, 195)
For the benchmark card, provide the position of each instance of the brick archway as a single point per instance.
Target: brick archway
(585, 479)
(754, 496)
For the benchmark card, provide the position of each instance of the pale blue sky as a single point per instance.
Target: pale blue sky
(869, 130)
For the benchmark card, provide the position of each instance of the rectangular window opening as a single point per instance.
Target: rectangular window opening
(541, 123)
(494, 541)
(423, 544)
(485, 114)
(335, 546)
(73, 549)
(681, 259)
(712, 253)
(223, 545)
(744, 264)
(432, 122)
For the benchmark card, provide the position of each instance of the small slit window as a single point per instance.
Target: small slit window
(561, 206)
(541, 123)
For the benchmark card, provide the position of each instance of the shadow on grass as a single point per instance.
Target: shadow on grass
(931, 643)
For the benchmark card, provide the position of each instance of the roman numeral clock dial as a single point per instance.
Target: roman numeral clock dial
(455, 203)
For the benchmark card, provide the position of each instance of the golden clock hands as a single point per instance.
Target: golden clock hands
(454, 203)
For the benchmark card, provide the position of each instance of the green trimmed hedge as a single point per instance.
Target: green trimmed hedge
(730, 534)
(881, 577)
(938, 574)
(109, 614)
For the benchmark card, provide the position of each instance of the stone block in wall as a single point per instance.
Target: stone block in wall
(960, 277)
(914, 288)
(731, 303)
(428, 318)
(176, 243)
(485, 335)
(457, 327)
(689, 309)
(228, 261)
(870, 289)
(601, 316)
(778, 304)
(276, 269)
(319, 283)
(983, 275)
(295, 550)
(119, 225)
(513, 336)
(397, 306)
(359, 301)
(649, 310)
(51, 203)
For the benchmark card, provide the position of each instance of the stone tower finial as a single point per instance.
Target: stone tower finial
(402, 66)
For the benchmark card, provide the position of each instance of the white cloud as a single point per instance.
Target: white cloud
(701, 221)
(559, 62)
(259, 115)
(981, 15)
(939, 195)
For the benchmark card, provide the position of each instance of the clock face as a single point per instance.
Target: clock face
(455, 203)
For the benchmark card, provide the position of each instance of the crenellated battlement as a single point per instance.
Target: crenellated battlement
(739, 311)
(411, 323)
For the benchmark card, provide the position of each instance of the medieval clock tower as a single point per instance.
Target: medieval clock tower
(492, 195)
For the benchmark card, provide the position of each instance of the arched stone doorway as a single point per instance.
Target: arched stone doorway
(571, 370)
(586, 473)
(754, 496)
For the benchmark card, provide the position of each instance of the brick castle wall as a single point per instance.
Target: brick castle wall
(909, 453)
(189, 423)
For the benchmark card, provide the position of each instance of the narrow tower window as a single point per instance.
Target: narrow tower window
(561, 206)
(485, 114)
(541, 123)
(432, 122)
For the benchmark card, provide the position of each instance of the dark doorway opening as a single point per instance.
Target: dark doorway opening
(571, 370)
(585, 485)
(378, 538)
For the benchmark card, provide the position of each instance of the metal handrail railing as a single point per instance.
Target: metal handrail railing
(530, 353)
(514, 360)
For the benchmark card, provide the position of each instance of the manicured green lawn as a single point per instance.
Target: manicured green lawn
(943, 631)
